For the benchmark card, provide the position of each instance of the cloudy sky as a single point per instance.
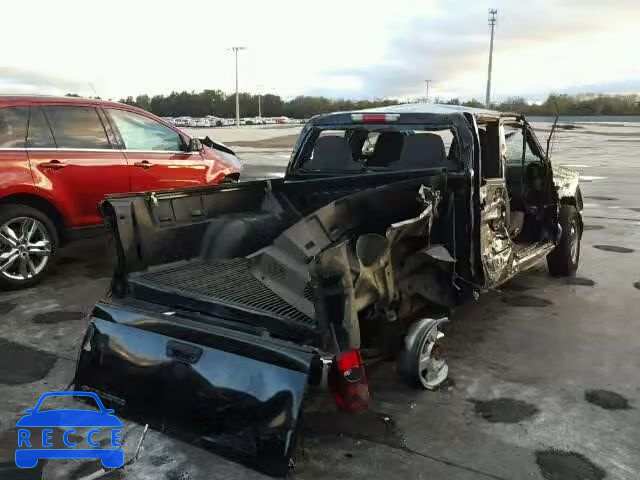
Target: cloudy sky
(338, 48)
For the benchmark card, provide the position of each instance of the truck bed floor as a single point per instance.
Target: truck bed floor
(202, 285)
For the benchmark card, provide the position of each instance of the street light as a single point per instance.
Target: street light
(492, 23)
(260, 87)
(236, 50)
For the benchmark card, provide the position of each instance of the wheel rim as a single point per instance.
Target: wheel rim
(573, 239)
(432, 367)
(25, 248)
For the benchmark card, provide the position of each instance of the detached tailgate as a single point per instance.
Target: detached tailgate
(231, 390)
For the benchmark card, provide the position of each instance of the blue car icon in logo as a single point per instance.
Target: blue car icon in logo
(37, 444)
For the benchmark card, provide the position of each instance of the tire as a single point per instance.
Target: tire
(25, 263)
(422, 364)
(564, 259)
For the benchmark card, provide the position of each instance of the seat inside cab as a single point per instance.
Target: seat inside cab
(379, 148)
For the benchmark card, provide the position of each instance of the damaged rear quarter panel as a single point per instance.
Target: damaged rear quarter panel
(381, 266)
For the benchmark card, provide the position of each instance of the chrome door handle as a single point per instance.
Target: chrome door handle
(143, 164)
(53, 165)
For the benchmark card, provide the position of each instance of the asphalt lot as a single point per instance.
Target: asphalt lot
(545, 374)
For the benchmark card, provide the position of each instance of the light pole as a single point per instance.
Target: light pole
(492, 22)
(235, 50)
(428, 83)
(259, 101)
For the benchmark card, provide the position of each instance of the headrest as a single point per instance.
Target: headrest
(387, 149)
(332, 153)
(422, 150)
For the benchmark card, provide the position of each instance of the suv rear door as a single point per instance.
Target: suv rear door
(73, 155)
(14, 164)
(156, 153)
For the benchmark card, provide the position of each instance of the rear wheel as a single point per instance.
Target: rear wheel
(422, 364)
(28, 240)
(564, 259)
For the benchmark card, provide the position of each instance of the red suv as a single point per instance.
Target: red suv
(59, 157)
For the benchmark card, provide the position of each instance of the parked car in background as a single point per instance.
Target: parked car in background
(201, 122)
(214, 121)
(185, 122)
(285, 120)
(59, 157)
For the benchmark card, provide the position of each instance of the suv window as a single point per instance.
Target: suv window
(13, 126)
(143, 133)
(76, 127)
(39, 135)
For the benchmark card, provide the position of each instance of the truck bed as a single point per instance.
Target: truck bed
(207, 285)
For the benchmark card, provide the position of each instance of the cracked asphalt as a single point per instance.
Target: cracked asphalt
(545, 373)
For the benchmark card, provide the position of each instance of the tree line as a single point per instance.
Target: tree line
(586, 104)
(220, 104)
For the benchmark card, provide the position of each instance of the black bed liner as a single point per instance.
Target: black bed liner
(206, 286)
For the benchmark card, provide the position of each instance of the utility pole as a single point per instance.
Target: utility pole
(428, 82)
(492, 22)
(235, 50)
(259, 101)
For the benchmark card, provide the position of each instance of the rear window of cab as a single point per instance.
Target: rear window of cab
(380, 147)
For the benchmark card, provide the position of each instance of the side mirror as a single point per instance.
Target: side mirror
(195, 145)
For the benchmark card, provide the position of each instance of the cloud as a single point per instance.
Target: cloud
(450, 47)
(361, 48)
(21, 80)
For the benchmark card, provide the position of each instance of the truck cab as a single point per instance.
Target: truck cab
(515, 193)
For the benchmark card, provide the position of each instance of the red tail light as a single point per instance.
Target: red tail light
(348, 382)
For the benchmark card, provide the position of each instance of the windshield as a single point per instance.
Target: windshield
(379, 147)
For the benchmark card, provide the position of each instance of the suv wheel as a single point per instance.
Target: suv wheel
(563, 260)
(28, 240)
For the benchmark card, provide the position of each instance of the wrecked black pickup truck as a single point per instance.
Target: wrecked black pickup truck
(229, 303)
